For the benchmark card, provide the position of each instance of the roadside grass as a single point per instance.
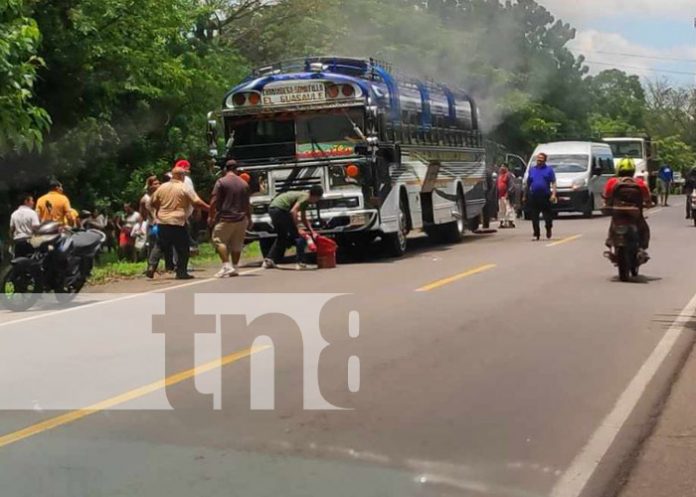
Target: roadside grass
(109, 268)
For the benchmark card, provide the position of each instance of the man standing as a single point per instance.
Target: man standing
(230, 214)
(22, 224)
(665, 178)
(148, 213)
(171, 202)
(285, 210)
(541, 195)
(55, 206)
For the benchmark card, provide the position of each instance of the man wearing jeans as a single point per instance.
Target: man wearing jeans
(285, 210)
(230, 214)
(665, 178)
(171, 202)
(541, 195)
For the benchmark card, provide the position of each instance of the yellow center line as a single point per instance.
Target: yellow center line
(565, 240)
(446, 281)
(174, 379)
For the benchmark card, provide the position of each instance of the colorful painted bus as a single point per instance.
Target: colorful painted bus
(395, 155)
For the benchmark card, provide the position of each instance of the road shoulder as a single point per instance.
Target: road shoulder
(664, 467)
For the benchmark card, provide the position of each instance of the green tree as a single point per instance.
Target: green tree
(676, 153)
(22, 122)
(618, 102)
(128, 83)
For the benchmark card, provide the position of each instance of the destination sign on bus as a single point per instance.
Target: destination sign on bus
(295, 93)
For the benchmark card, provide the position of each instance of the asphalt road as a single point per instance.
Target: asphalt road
(486, 368)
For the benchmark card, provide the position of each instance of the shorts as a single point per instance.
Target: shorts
(231, 235)
(663, 186)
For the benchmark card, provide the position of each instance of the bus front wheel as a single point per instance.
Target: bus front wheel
(395, 243)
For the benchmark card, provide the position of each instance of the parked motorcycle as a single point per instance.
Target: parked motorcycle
(624, 234)
(61, 262)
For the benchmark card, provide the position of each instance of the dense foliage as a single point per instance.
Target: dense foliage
(102, 93)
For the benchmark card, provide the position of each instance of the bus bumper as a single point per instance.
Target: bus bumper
(331, 224)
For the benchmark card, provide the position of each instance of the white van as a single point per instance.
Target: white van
(582, 171)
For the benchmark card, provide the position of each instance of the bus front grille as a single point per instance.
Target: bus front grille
(297, 183)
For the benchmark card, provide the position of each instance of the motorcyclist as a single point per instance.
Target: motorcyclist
(626, 171)
(689, 187)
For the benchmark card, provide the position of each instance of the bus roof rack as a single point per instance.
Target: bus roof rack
(351, 66)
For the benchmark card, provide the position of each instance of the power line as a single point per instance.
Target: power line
(638, 68)
(638, 56)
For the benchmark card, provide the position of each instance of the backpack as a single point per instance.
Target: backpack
(627, 198)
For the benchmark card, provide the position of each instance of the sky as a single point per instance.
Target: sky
(651, 38)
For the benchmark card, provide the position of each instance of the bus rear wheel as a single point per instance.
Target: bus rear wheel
(454, 232)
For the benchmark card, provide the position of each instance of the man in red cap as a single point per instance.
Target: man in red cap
(185, 166)
(171, 201)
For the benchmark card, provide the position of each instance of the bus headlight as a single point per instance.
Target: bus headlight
(344, 176)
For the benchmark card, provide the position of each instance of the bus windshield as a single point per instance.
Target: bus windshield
(631, 149)
(327, 135)
(301, 136)
(569, 163)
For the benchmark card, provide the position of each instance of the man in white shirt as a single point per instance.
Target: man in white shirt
(22, 224)
(191, 219)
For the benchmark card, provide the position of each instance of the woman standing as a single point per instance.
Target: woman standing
(506, 211)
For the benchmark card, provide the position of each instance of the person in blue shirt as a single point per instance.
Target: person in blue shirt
(665, 178)
(540, 195)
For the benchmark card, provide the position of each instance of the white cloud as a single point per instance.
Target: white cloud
(607, 50)
(575, 10)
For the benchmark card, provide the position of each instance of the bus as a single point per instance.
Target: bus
(394, 155)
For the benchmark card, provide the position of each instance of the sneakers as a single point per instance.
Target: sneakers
(268, 264)
(300, 266)
(227, 271)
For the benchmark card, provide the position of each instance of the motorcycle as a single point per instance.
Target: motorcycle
(61, 261)
(624, 237)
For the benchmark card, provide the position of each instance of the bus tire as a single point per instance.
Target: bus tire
(454, 232)
(395, 244)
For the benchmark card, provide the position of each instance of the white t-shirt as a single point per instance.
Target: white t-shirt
(22, 223)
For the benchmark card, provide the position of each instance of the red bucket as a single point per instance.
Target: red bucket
(326, 252)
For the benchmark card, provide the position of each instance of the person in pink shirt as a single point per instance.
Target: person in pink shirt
(506, 212)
